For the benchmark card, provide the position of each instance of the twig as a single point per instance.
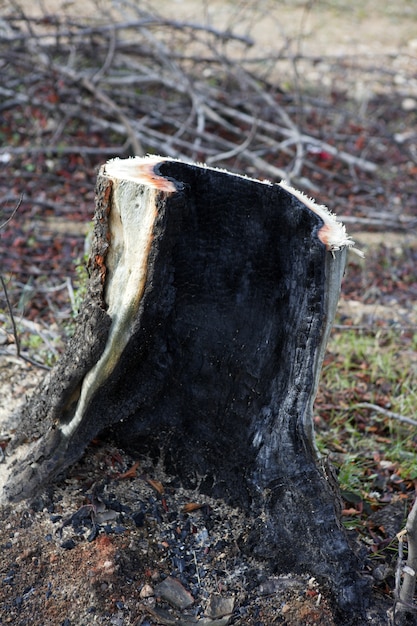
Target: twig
(404, 593)
(109, 58)
(9, 306)
(54, 149)
(99, 29)
(399, 566)
(372, 328)
(13, 213)
(410, 570)
(234, 151)
(400, 222)
(380, 409)
(15, 333)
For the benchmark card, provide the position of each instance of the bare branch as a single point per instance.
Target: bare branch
(15, 333)
(9, 219)
(410, 570)
(380, 409)
(404, 592)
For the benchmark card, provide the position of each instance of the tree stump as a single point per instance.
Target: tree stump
(200, 342)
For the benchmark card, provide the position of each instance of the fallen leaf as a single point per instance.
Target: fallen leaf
(131, 473)
(192, 506)
(155, 484)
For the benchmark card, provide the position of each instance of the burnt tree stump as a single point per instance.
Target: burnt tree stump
(209, 305)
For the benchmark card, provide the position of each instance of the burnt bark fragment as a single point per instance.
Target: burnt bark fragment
(200, 342)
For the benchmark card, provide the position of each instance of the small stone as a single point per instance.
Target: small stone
(172, 591)
(146, 591)
(207, 621)
(409, 104)
(382, 572)
(278, 584)
(69, 544)
(405, 136)
(218, 606)
(139, 518)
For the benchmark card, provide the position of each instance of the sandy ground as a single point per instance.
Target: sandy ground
(367, 29)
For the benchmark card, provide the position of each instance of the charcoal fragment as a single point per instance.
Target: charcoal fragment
(18, 601)
(93, 534)
(139, 518)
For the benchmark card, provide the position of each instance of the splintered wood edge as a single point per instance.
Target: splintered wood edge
(139, 170)
(142, 170)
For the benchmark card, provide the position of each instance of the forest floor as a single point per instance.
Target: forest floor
(98, 547)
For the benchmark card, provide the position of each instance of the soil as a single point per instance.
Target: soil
(96, 548)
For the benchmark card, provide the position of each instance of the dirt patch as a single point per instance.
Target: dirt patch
(97, 548)
(17, 381)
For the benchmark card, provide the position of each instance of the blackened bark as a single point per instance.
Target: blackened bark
(201, 341)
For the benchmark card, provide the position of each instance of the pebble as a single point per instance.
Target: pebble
(223, 621)
(172, 591)
(69, 544)
(278, 584)
(218, 606)
(146, 591)
(409, 104)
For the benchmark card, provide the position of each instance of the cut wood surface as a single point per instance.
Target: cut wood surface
(199, 344)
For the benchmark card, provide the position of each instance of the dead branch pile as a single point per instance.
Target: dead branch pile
(149, 84)
(117, 79)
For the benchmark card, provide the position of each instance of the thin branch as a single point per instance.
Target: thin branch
(386, 412)
(109, 58)
(13, 212)
(404, 592)
(234, 151)
(400, 222)
(16, 334)
(9, 306)
(54, 149)
(84, 31)
(410, 570)
(400, 563)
